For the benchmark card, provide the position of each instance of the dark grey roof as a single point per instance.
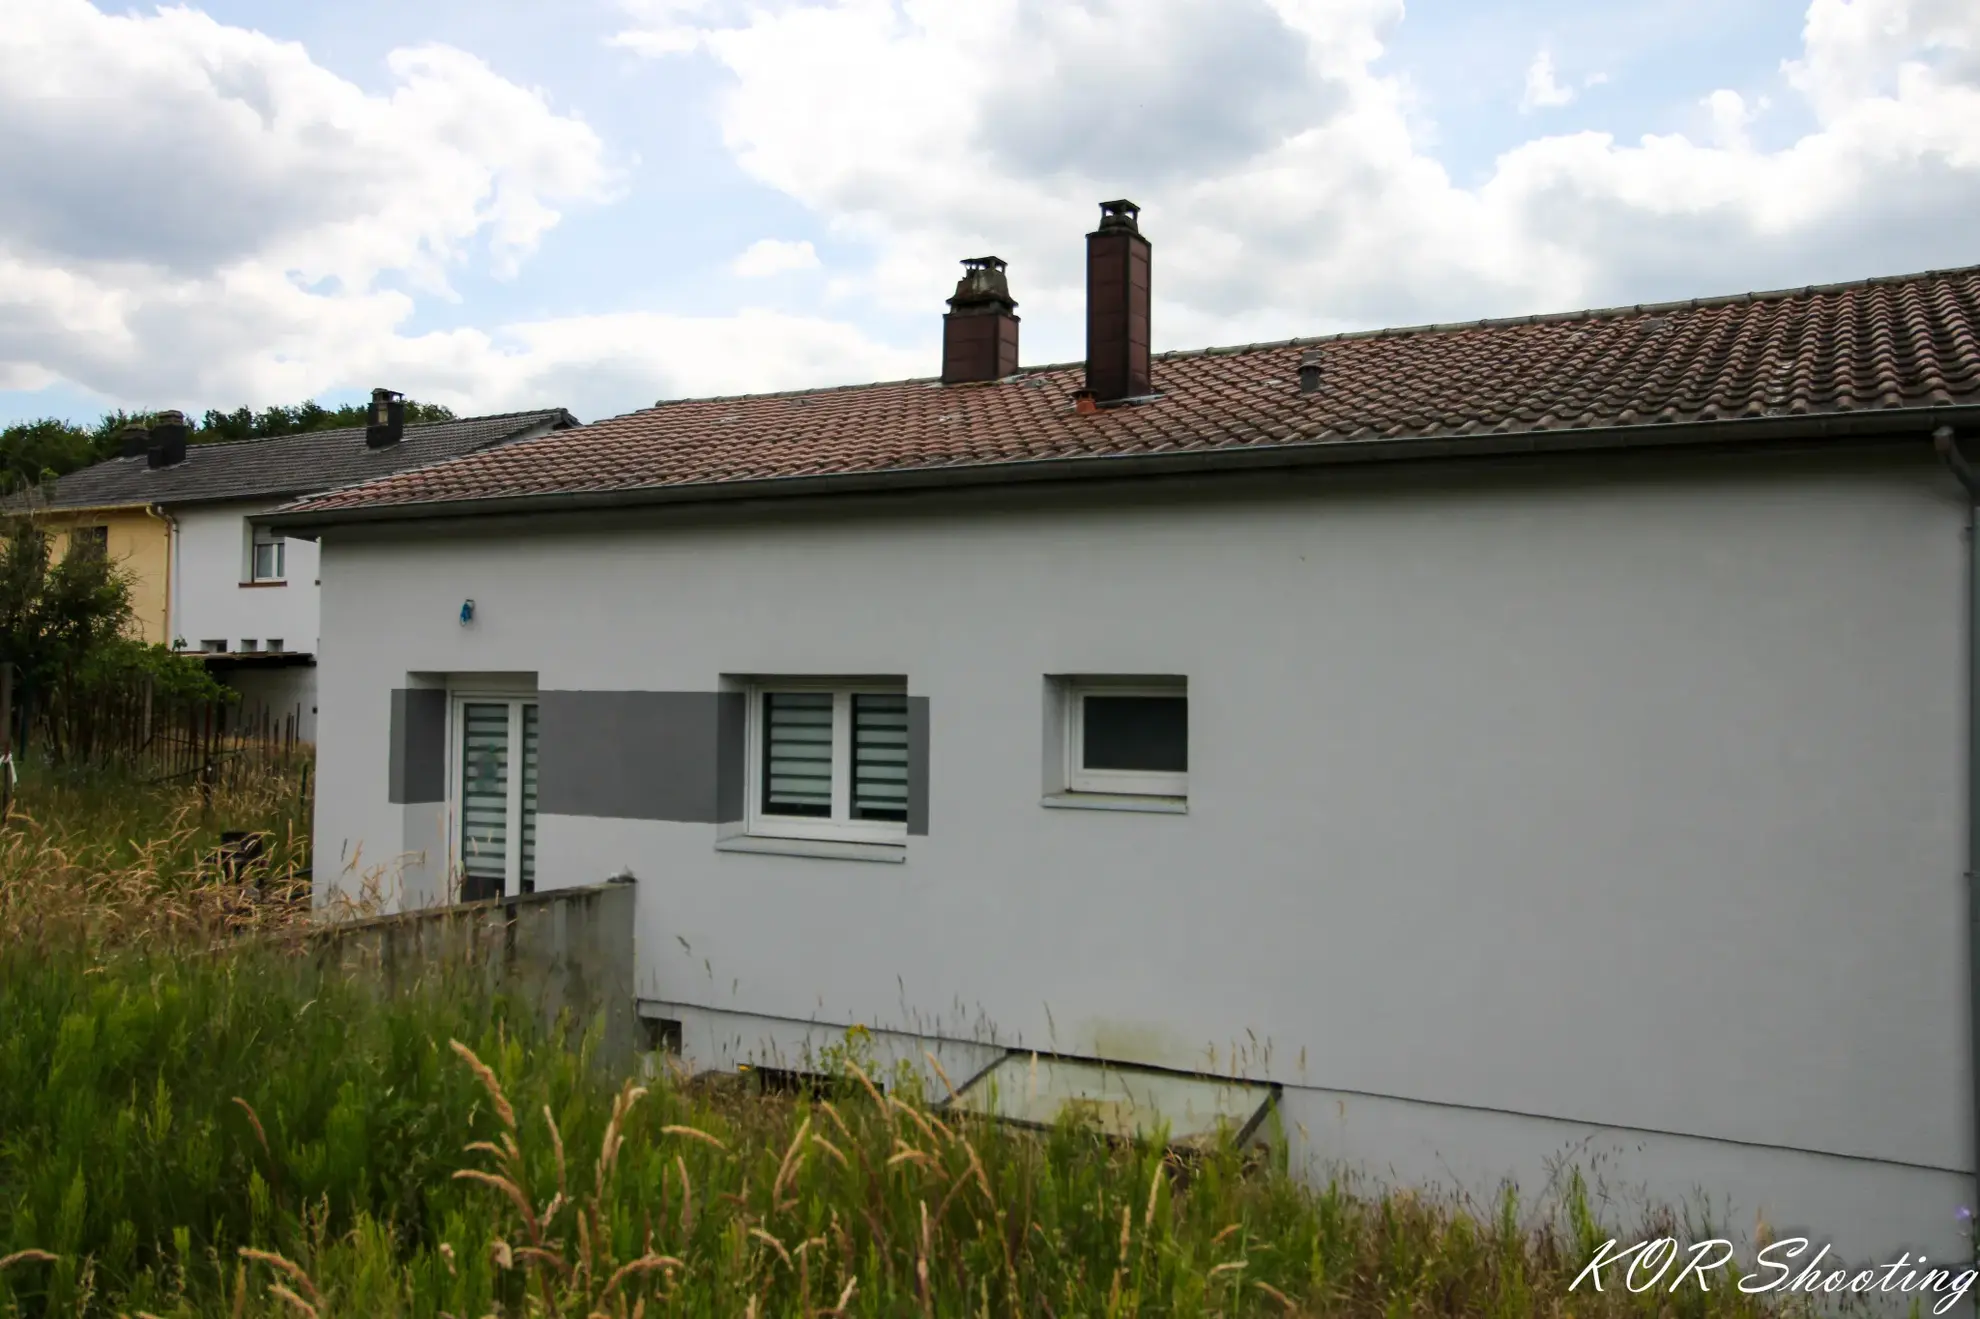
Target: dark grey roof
(288, 465)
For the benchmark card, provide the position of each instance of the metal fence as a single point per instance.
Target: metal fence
(132, 730)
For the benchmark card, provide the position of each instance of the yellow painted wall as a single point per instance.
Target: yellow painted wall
(141, 545)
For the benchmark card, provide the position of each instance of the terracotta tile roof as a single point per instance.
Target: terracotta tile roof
(1902, 343)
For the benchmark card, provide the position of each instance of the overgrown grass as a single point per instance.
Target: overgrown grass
(194, 1121)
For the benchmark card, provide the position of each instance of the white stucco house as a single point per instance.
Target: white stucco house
(1527, 742)
(245, 597)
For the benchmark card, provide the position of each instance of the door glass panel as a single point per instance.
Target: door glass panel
(484, 799)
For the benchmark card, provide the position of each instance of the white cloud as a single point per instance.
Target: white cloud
(774, 256)
(1294, 198)
(1731, 117)
(198, 210)
(637, 357)
(199, 214)
(1542, 92)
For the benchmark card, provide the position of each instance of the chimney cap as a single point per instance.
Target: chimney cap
(1120, 215)
(983, 287)
(386, 422)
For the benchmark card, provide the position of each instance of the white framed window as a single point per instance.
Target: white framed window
(275, 644)
(249, 646)
(828, 760)
(268, 561)
(1126, 736)
(214, 645)
(492, 789)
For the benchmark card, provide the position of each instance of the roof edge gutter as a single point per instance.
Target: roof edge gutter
(1895, 423)
(1946, 443)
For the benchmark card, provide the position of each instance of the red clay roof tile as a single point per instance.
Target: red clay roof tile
(1912, 341)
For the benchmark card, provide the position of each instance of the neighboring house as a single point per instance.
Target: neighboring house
(136, 536)
(1527, 740)
(176, 515)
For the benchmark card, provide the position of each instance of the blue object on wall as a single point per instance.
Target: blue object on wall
(467, 612)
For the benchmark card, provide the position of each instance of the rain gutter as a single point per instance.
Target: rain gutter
(1895, 424)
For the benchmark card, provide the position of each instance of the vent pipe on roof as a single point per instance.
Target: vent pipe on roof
(1309, 371)
(136, 440)
(385, 424)
(980, 331)
(168, 440)
(1117, 306)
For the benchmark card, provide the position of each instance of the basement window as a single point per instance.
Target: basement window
(275, 645)
(828, 760)
(214, 645)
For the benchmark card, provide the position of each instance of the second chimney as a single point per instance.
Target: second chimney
(136, 440)
(168, 440)
(385, 424)
(1117, 306)
(980, 332)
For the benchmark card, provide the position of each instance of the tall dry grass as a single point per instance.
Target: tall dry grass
(196, 1119)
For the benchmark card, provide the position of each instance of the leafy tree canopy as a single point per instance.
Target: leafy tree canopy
(35, 451)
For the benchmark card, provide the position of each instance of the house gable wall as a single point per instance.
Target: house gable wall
(214, 603)
(1588, 793)
(139, 543)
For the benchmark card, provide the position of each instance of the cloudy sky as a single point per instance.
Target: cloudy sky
(511, 203)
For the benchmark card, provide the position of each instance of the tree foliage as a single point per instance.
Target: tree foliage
(64, 626)
(54, 613)
(35, 451)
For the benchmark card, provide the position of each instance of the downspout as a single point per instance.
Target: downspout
(171, 571)
(1969, 478)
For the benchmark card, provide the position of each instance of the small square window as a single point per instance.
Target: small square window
(90, 542)
(1126, 736)
(249, 645)
(828, 760)
(214, 646)
(270, 556)
(275, 644)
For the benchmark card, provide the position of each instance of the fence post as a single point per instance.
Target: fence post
(6, 739)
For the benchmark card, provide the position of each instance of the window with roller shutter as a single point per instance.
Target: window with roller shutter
(829, 760)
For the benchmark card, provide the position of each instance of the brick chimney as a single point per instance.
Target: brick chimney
(1117, 306)
(980, 331)
(167, 447)
(136, 440)
(385, 423)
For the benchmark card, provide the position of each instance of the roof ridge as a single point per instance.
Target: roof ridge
(1617, 312)
(345, 430)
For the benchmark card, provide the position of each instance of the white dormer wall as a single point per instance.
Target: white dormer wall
(214, 599)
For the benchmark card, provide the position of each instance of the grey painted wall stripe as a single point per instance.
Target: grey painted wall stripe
(676, 756)
(731, 757)
(917, 807)
(416, 770)
(630, 755)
